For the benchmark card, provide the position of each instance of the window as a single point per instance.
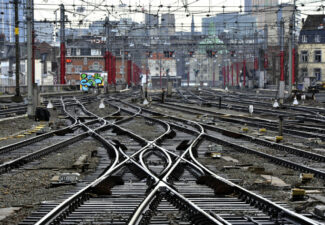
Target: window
(304, 56)
(95, 52)
(78, 69)
(95, 66)
(318, 56)
(168, 54)
(44, 68)
(69, 68)
(317, 73)
(85, 51)
(304, 72)
(68, 51)
(304, 38)
(74, 52)
(317, 38)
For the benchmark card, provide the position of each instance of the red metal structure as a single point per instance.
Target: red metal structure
(237, 70)
(255, 64)
(228, 74)
(108, 66)
(224, 76)
(113, 69)
(62, 63)
(266, 61)
(244, 72)
(232, 74)
(129, 64)
(134, 73)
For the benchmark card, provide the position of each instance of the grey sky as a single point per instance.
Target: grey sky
(200, 8)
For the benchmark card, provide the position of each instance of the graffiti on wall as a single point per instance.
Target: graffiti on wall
(90, 81)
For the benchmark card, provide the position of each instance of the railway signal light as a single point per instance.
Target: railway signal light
(211, 53)
(148, 54)
(169, 54)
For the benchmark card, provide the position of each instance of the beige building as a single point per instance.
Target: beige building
(311, 51)
(159, 64)
(202, 68)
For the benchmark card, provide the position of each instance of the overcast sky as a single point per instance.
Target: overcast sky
(98, 9)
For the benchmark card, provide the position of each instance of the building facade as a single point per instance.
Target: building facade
(248, 6)
(311, 50)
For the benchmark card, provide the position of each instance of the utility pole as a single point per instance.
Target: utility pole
(244, 65)
(62, 45)
(108, 59)
(123, 59)
(292, 51)
(17, 97)
(290, 58)
(265, 53)
(282, 83)
(256, 64)
(30, 106)
(33, 43)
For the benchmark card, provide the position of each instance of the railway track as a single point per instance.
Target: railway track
(308, 130)
(157, 178)
(10, 110)
(308, 113)
(17, 154)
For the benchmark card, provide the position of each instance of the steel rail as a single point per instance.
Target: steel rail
(159, 147)
(307, 109)
(251, 196)
(250, 121)
(286, 163)
(7, 166)
(41, 137)
(150, 196)
(164, 183)
(289, 149)
(80, 196)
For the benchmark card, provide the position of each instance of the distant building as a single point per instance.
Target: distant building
(262, 4)
(97, 28)
(248, 6)
(151, 20)
(44, 32)
(45, 65)
(311, 50)
(167, 26)
(7, 20)
(229, 22)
